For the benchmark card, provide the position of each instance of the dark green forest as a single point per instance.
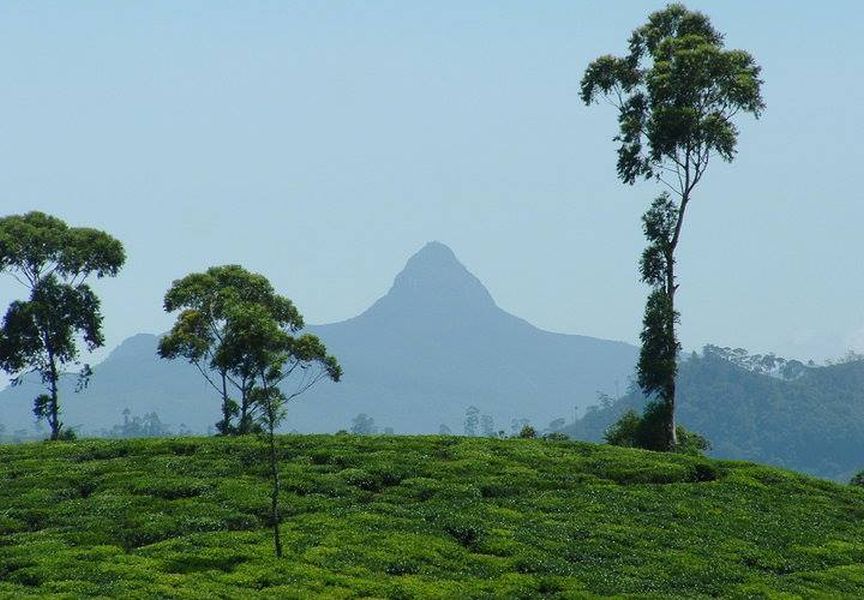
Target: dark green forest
(809, 420)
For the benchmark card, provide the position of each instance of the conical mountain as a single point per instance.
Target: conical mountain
(434, 345)
(437, 343)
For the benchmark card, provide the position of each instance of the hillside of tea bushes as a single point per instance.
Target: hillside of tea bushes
(417, 517)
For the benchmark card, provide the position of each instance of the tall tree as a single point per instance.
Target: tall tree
(285, 366)
(41, 334)
(206, 302)
(677, 92)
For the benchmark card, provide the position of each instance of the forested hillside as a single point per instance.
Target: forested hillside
(810, 421)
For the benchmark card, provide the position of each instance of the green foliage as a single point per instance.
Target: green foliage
(237, 330)
(658, 364)
(416, 517)
(217, 308)
(527, 432)
(690, 442)
(40, 334)
(857, 479)
(647, 431)
(626, 431)
(676, 91)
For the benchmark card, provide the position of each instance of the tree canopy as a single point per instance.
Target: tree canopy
(240, 333)
(677, 91)
(42, 333)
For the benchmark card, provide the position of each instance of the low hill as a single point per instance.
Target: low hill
(434, 345)
(417, 517)
(810, 423)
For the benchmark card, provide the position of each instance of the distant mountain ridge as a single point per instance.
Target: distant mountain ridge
(435, 344)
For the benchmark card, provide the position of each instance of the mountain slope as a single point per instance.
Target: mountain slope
(435, 344)
(417, 517)
(812, 423)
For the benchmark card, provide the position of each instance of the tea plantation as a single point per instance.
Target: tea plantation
(417, 517)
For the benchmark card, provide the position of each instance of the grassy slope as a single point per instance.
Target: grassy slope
(424, 517)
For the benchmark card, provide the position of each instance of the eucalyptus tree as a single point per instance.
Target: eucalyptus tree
(284, 367)
(206, 302)
(41, 334)
(677, 92)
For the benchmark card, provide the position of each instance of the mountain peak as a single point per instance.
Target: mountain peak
(434, 258)
(433, 281)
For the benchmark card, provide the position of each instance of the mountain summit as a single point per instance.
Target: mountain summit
(434, 284)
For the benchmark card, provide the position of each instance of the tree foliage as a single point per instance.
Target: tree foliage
(677, 92)
(208, 333)
(648, 431)
(42, 333)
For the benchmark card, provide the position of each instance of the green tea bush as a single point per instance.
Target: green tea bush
(417, 517)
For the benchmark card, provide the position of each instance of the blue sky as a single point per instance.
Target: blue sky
(322, 143)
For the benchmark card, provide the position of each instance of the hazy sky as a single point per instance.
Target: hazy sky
(322, 143)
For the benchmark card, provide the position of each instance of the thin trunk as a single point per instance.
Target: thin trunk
(245, 424)
(226, 413)
(274, 473)
(669, 393)
(671, 288)
(54, 414)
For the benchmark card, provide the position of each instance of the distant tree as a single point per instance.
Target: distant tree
(207, 303)
(284, 367)
(487, 425)
(472, 419)
(527, 432)
(763, 364)
(444, 430)
(516, 425)
(363, 424)
(133, 426)
(677, 92)
(41, 334)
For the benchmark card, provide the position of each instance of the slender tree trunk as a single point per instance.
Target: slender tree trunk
(245, 425)
(669, 395)
(54, 408)
(226, 412)
(274, 473)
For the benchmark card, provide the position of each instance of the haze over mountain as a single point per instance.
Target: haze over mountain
(435, 344)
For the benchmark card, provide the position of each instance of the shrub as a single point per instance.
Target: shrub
(646, 431)
(858, 479)
(527, 432)
(625, 431)
(690, 442)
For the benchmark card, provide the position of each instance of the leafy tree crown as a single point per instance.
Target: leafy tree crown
(677, 92)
